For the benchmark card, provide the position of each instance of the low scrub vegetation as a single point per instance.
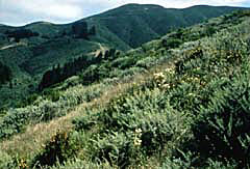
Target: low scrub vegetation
(188, 109)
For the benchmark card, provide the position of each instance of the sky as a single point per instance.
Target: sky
(22, 12)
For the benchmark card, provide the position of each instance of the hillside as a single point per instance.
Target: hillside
(30, 51)
(147, 22)
(181, 101)
(30, 57)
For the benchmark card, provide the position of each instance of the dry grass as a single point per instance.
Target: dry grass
(30, 142)
(33, 139)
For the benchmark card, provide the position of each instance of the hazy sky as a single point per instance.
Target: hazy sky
(21, 12)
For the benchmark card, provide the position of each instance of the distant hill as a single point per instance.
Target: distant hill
(31, 50)
(136, 24)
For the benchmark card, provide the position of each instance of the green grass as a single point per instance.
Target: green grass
(30, 58)
(189, 108)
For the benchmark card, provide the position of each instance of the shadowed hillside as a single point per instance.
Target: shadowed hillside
(147, 22)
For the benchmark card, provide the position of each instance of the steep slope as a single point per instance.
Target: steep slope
(33, 49)
(29, 57)
(189, 108)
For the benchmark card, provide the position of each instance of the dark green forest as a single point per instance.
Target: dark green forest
(5, 73)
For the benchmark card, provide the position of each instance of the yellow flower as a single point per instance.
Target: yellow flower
(159, 75)
(138, 131)
(166, 86)
(170, 69)
(137, 142)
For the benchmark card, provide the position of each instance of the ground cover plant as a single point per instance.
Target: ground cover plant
(189, 108)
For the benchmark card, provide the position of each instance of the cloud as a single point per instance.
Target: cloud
(20, 12)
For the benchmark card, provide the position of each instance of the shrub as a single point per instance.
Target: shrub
(146, 62)
(179, 163)
(7, 162)
(13, 122)
(61, 147)
(157, 131)
(2, 112)
(150, 112)
(131, 71)
(222, 129)
(210, 30)
(28, 100)
(47, 111)
(122, 111)
(125, 62)
(90, 75)
(52, 95)
(84, 123)
(79, 94)
(189, 158)
(171, 43)
(81, 164)
(116, 149)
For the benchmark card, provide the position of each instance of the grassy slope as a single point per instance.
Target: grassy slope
(32, 58)
(160, 109)
(121, 28)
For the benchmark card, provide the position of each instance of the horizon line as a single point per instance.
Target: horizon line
(101, 12)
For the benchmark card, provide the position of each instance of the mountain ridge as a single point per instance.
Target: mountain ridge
(159, 19)
(122, 6)
(46, 44)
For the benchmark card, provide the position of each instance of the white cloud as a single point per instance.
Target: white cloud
(16, 12)
(51, 8)
(64, 11)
